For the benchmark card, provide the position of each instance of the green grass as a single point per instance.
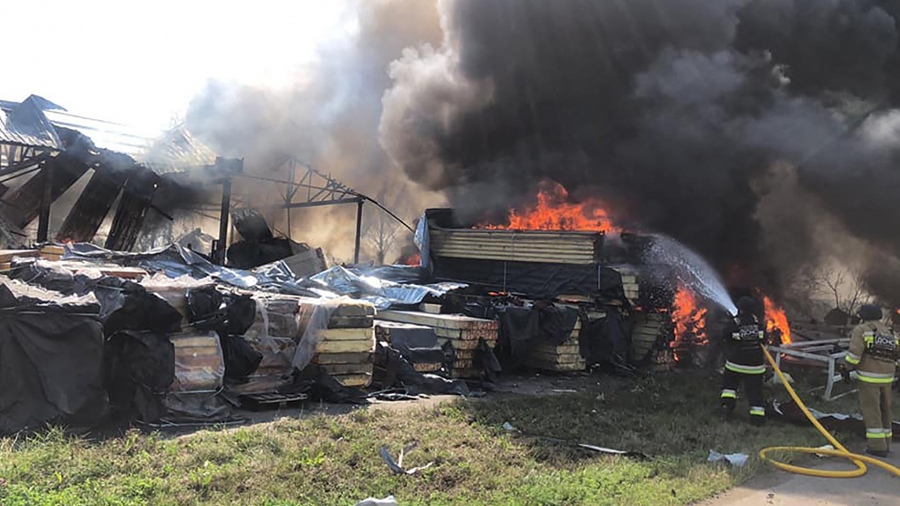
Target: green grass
(334, 459)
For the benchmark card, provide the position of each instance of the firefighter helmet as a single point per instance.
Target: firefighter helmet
(747, 305)
(869, 312)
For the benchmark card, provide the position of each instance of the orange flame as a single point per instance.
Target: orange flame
(690, 321)
(553, 212)
(414, 259)
(776, 319)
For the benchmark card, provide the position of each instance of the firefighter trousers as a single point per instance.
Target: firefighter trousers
(753, 387)
(875, 405)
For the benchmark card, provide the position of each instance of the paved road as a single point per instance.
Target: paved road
(877, 487)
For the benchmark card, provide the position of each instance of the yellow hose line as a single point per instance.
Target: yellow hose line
(858, 460)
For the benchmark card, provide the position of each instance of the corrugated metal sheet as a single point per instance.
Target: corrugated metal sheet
(106, 134)
(34, 122)
(26, 125)
(178, 150)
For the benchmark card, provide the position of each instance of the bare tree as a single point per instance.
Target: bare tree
(846, 287)
(380, 230)
(804, 288)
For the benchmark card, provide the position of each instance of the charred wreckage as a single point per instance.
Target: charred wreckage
(176, 335)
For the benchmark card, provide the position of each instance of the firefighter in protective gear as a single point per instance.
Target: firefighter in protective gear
(874, 350)
(745, 362)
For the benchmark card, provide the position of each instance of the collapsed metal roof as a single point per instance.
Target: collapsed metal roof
(25, 124)
(35, 121)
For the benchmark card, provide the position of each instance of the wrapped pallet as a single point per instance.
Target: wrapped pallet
(274, 335)
(339, 335)
(464, 334)
(274, 370)
(276, 316)
(199, 364)
(174, 291)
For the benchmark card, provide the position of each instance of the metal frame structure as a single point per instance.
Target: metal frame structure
(18, 160)
(812, 350)
(313, 189)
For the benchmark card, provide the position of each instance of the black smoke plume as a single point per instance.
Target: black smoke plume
(736, 126)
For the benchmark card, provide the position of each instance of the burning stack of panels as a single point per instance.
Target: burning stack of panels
(575, 248)
(542, 264)
(649, 328)
(344, 336)
(464, 334)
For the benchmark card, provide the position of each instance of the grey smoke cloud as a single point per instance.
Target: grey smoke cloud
(329, 118)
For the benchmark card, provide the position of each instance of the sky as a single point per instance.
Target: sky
(139, 62)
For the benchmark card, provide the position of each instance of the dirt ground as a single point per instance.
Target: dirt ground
(532, 384)
(876, 488)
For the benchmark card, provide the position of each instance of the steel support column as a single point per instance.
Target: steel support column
(359, 213)
(222, 244)
(43, 231)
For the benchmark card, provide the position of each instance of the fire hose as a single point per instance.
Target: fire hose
(858, 460)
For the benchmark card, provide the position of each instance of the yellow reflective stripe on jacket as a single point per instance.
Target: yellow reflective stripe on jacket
(745, 369)
(728, 394)
(757, 411)
(852, 359)
(869, 338)
(876, 434)
(875, 378)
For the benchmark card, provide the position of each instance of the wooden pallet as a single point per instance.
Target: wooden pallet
(267, 401)
(362, 380)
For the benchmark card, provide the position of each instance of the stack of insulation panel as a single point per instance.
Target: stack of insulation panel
(344, 335)
(462, 332)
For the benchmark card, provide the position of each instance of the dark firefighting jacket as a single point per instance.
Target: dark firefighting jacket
(743, 337)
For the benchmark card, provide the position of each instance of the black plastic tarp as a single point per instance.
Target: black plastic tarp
(140, 367)
(607, 341)
(523, 327)
(124, 304)
(51, 363)
(399, 372)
